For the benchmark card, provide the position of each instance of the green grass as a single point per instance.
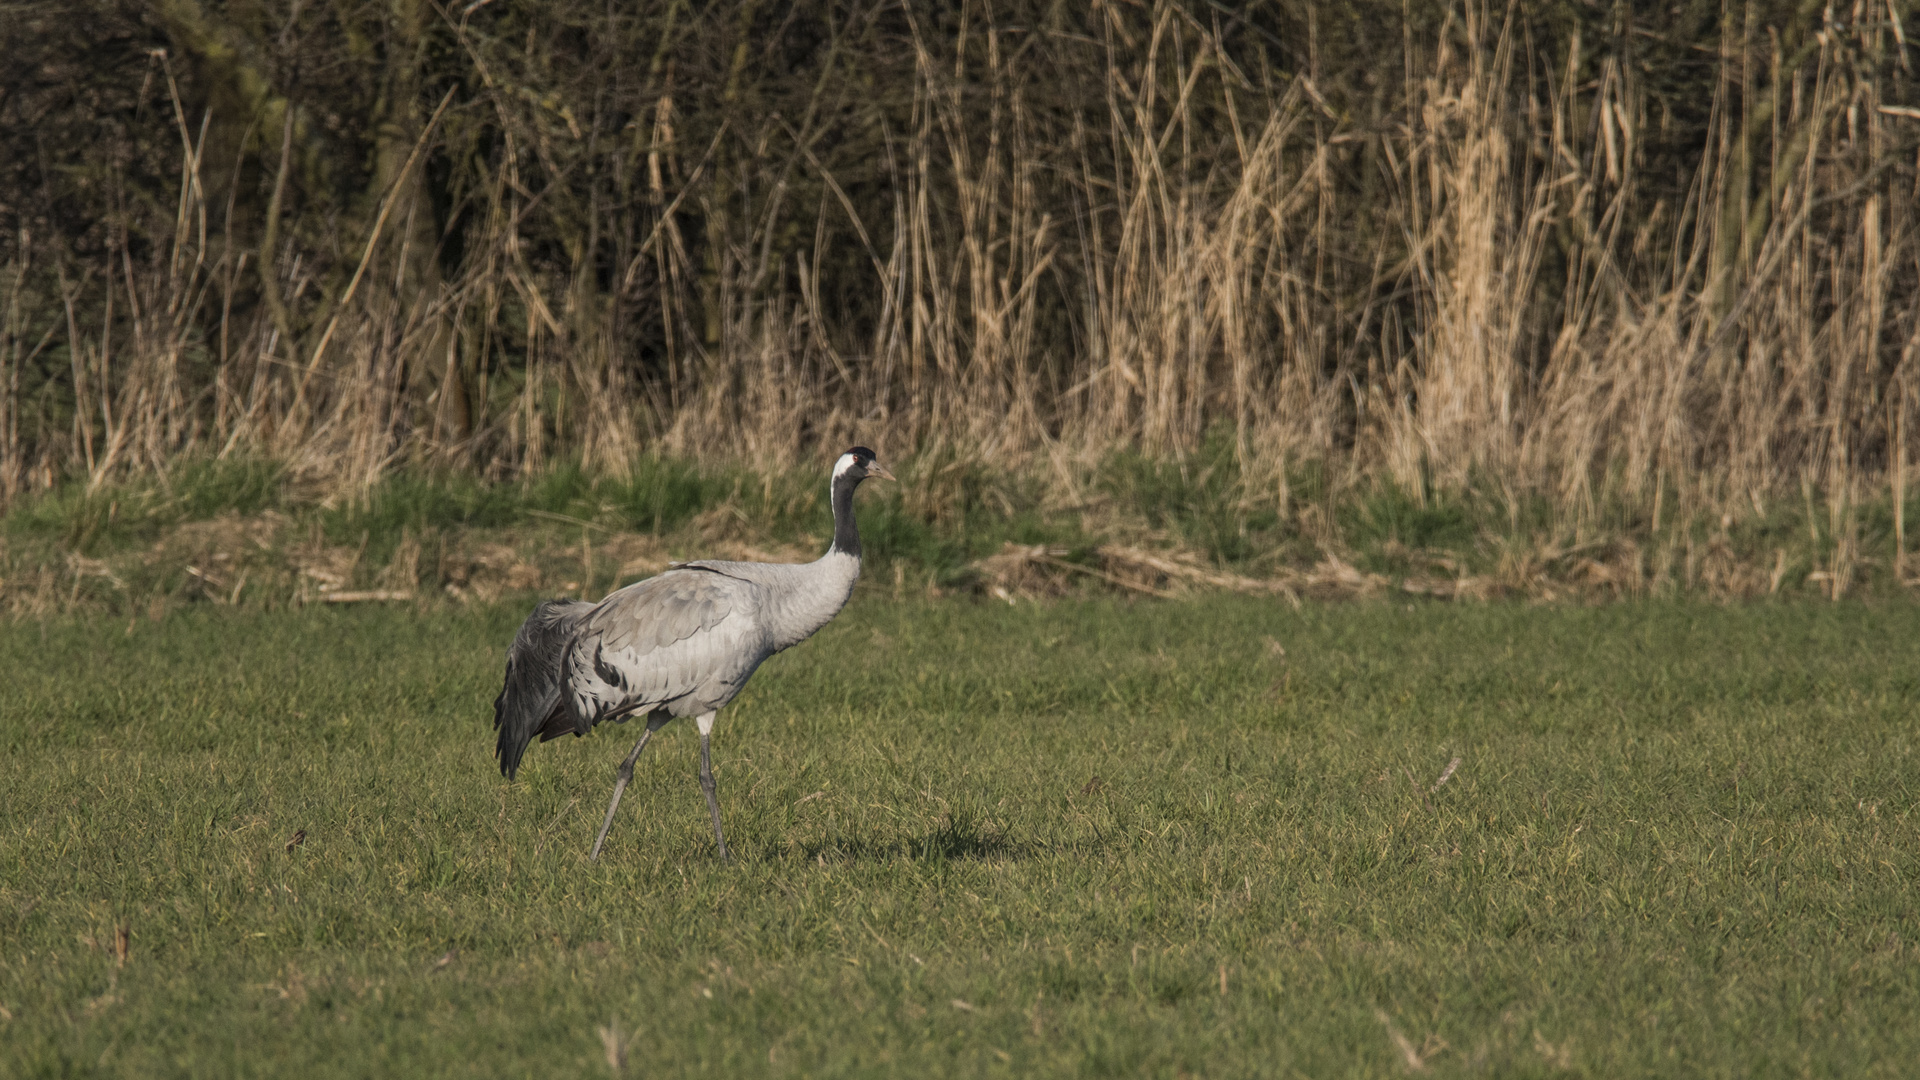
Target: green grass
(1681, 842)
(134, 545)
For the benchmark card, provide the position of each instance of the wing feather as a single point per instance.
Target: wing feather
(686, 639)
(532, 695)
(661, 610)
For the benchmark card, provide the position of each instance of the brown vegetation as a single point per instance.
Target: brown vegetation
(1670, 266)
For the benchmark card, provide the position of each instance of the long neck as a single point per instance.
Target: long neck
(846, 533)
(813, 593)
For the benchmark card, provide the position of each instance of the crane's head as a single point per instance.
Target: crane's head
(859, 463)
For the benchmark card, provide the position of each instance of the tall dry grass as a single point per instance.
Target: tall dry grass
(1484, 284)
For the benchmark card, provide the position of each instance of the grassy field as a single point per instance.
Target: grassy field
(1094, 838)
(251, 533)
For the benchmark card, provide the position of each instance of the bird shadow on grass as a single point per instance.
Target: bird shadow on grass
(953, 842)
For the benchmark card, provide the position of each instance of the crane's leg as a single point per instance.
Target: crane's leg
(620, 785)
(705, 723)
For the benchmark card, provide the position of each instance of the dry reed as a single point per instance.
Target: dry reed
(1507, 299)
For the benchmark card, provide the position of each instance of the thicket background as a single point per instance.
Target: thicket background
(1628, 264)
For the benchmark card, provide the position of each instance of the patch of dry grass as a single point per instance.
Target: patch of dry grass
(1501, 272)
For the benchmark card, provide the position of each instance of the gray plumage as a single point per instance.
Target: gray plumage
(683, 643)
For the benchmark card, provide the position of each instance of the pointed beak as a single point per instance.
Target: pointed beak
(877, 471)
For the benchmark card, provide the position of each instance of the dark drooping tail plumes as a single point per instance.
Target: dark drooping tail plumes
(530, 700)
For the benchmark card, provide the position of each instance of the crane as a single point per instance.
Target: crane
(681, 643)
